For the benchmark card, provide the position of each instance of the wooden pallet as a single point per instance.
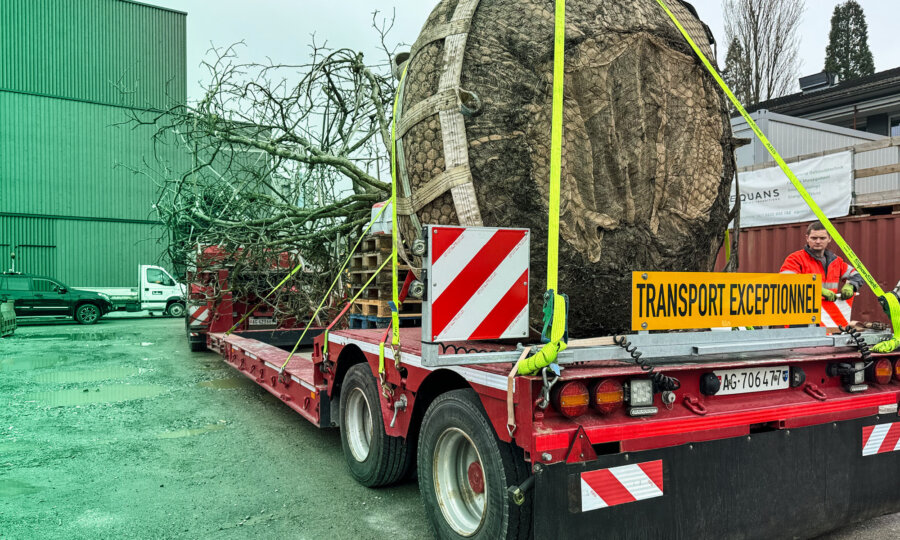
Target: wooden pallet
(360, 277)
(381, 308)
(377, 242)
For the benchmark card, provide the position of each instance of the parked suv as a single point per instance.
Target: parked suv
(40, 295)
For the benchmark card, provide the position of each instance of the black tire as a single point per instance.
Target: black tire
(175, 309)
(374, 458)
(197, 346)
(87, 314)
(455, 431)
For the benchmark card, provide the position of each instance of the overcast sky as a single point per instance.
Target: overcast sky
(282, 29)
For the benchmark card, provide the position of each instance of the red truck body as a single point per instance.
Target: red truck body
(212, 306)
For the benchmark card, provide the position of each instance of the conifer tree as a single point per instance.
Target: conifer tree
(848, 53)
(738, 72)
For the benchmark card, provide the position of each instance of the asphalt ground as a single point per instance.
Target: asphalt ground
(117, 430)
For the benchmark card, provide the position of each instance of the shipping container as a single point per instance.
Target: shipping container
(872, 238)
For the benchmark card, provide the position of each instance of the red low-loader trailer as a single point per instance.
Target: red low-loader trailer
(768, 433)
(213, 307)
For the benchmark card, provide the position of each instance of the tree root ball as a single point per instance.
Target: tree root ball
(647, 157)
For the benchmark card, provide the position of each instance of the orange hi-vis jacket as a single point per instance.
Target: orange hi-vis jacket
(832, 268)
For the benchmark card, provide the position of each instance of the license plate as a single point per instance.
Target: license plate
(261, 321)
(746, 380)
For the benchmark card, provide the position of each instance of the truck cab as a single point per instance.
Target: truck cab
(159, 291)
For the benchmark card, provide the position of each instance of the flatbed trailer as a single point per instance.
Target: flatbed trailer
(792, 462)
(775, 433)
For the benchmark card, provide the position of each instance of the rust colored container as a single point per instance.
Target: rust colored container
(874, 239)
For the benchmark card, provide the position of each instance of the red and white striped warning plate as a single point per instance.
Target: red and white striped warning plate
(477, 284)
(881, 439)
(620, 485)
(836, 313)
(198, 315)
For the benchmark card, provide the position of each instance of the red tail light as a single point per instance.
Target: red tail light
(607, 396)
(571, 399)
(897, 370)
(882, 371)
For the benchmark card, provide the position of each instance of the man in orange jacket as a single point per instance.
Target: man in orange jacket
(814, 258)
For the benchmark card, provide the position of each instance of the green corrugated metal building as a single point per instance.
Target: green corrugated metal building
(71, 73)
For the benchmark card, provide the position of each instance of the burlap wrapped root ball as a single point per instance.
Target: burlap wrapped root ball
(647, 157)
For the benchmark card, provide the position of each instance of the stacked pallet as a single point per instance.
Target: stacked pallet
(372, 308)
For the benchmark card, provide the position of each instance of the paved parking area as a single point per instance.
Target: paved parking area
(117, 430)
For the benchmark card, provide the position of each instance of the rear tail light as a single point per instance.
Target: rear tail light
(607, 396)
(571, 399)
(897, 370)
(881, 371)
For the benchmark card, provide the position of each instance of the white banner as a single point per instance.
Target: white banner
(769, 198)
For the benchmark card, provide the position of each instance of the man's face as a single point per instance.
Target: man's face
(818, 240)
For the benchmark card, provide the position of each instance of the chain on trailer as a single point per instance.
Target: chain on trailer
(889, 301)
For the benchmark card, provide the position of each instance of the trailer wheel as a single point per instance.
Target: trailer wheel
(374, 458)
(465, 470)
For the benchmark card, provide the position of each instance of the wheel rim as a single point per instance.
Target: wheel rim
(176, 310)
(358, 420)
(459, 482)
(88, 313)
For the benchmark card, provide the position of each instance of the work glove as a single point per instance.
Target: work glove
(828, 294)
(847, 291)
(886, 346)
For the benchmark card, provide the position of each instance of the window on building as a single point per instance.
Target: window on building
(895, 126)
(46, 285)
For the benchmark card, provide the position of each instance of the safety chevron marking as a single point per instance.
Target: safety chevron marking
(881, 439)
(620, 485)
(197, 315)
(836, 313)
(478, 283)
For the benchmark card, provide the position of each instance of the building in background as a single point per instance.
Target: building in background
(71, 76)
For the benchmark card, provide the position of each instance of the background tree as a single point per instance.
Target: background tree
(737, 71)
(287, 159)
(767, 31)
(847, 53)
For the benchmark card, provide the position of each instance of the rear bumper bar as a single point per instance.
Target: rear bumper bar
(790, 483)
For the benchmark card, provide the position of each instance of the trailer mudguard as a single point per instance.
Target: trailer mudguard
(791, 483)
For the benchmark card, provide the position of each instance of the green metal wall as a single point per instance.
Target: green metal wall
(80, 252)
(102, 51)
(71, 72)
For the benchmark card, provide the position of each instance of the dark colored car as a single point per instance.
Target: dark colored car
(34, 296)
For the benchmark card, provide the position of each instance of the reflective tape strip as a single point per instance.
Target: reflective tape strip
(881, 439)
(620, 485)
(836, 313)
(476, 376)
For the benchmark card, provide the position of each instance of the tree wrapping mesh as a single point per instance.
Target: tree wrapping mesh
(647, 158)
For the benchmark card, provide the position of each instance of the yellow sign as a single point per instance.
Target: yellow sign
(681, 300)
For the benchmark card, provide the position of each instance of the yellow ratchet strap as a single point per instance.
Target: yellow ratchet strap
(333, 283)
(250, 312)
(395, 294)
(548, 353)
(889, 301)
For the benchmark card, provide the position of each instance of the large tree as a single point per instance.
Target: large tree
(767, 31)
(848, 53)
(737, 71)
